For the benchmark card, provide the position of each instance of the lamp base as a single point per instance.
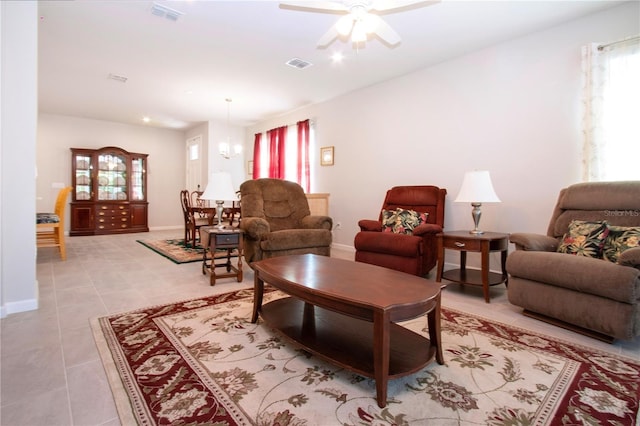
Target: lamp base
(476, 213)
(219, 208)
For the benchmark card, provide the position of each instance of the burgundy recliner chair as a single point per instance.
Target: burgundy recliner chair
(415, 254)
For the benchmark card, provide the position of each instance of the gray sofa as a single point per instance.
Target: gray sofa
(594, 296)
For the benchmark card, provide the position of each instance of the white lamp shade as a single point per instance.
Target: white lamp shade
(219, 188)
(477, 188)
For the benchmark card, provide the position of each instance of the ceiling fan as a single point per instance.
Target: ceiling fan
(360, 18)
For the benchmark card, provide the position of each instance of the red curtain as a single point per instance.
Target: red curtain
(303, 155)
(276, 138)
(256, 155)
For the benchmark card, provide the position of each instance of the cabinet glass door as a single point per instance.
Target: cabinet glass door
(112, 177)
(137, 179)
(83, 177)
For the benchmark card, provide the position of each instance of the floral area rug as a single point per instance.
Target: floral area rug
(202, 362)
(176, 251)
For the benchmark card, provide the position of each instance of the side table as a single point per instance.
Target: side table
(485, 243)
(214, 239)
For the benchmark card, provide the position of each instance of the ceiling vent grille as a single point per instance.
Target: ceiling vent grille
(298, 63)
(165, 12)
(118, 78)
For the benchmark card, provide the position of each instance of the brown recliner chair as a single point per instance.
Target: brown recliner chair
(592, 295)
(414, 253)
(276, 221)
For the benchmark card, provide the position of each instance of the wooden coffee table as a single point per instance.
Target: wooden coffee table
(345, 312)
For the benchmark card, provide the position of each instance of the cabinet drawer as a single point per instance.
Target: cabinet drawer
(462, 244)
(112, 213)
(112, 225)
(105, 210)
(113, 219)
(111, 207)
(227, 239)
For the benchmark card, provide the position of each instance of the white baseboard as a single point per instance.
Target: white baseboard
(19, 306)
(343, 247)
(166, 228)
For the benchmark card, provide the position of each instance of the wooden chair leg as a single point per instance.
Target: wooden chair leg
(61, 246)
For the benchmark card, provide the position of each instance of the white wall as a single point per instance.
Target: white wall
(165, 168)
(18, 114)
(513, 109)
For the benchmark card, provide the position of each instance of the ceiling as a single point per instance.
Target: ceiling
(179, 73)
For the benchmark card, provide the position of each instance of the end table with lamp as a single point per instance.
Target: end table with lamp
(476, 189)
(214, 239)
(220, 189)
(485, 243)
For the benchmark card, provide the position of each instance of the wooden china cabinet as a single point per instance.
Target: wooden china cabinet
(109, 191)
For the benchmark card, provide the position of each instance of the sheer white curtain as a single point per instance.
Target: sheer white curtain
(611, 101)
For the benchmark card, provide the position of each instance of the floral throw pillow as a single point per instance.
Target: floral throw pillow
(620, 238)
(401, 221)
(585, 239)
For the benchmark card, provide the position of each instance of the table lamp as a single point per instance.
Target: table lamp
(220, 189)
(477, 189)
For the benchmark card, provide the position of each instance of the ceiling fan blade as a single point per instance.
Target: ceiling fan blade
(399, 5)
(384, 30)
(328, 37)
(344, 25)
(315, 6)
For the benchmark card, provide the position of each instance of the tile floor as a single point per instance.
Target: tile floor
(51, 372)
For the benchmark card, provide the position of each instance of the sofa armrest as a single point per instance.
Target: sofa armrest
(317, 222)
(255, 227)
(533, 242)
(370, 225)
(576, 273)
(630, 257)
(427, 228)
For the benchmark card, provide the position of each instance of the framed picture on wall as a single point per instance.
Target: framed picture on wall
(326, 156)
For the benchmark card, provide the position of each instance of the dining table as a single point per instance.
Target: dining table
(210, 213)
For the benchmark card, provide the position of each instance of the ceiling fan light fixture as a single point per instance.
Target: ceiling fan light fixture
(344, 25)
(359, 33)
(360, 18)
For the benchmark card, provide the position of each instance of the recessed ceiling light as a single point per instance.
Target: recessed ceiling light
(146, 119)
(337, 57)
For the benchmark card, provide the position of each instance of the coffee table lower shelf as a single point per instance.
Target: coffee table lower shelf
(471, 276)
(344, 340)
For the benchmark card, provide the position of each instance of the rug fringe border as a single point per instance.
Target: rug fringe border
(147, 245)
(124, 407)
(144, 243)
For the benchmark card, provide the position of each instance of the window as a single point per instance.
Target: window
(288, 160)
(194, 152)
(611, 111)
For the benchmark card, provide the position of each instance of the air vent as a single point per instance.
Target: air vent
(165, 12)
(117, 78)
(298, 63)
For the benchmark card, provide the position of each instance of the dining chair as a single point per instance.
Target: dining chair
(50, 226)
(192, 223)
